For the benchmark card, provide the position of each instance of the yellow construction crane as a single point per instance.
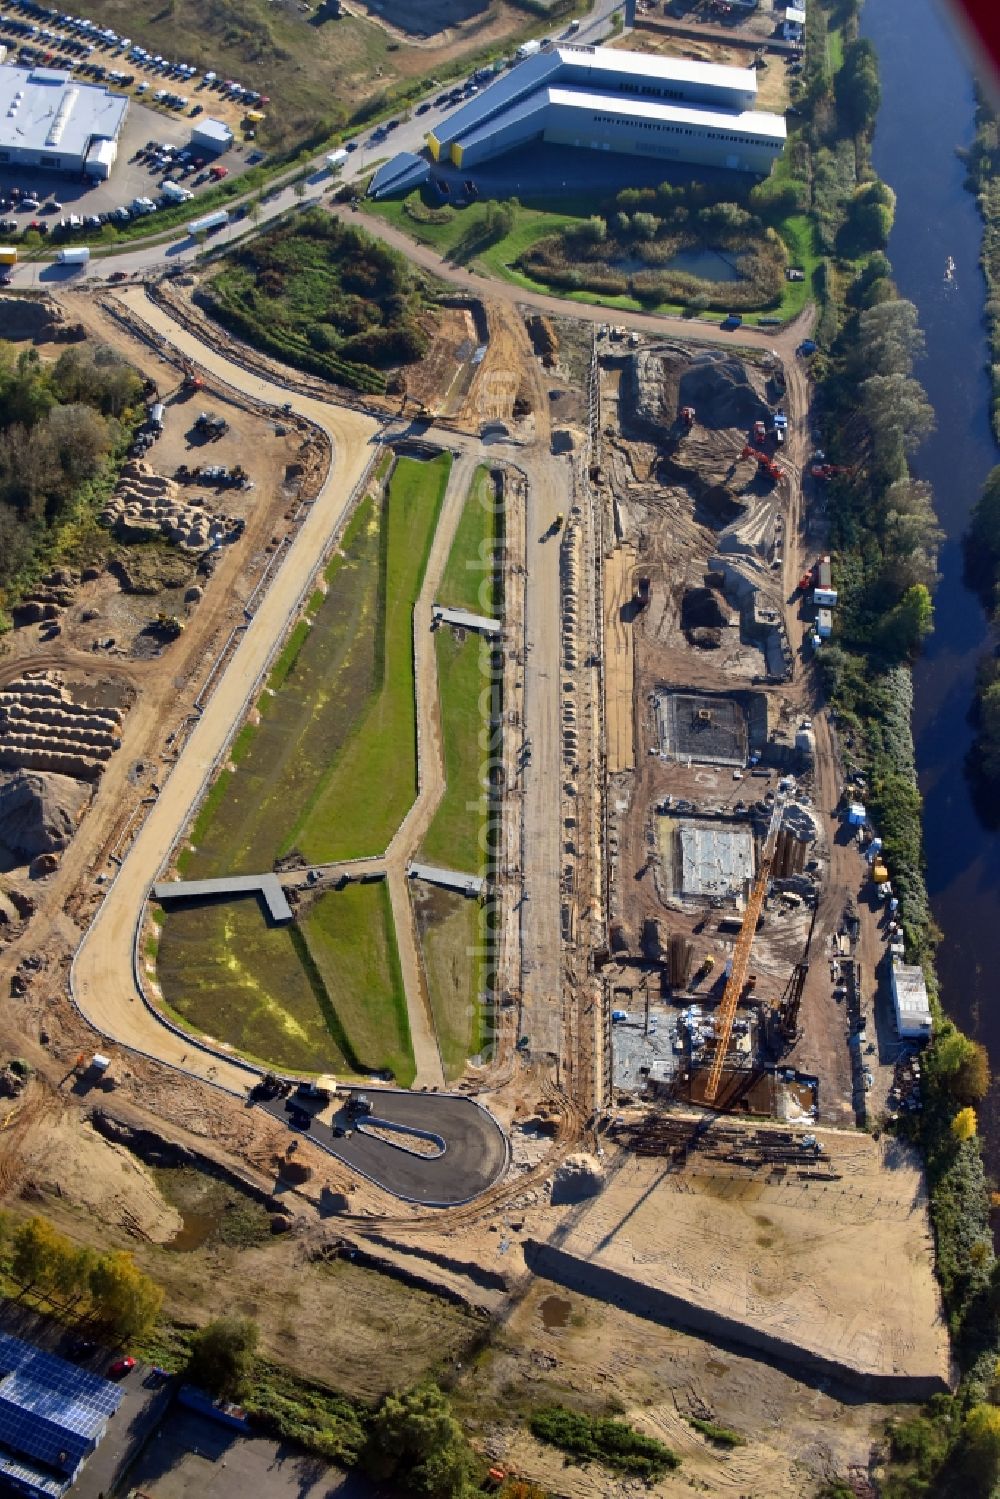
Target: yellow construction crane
(741, 954)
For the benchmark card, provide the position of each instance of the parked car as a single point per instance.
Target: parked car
(121, 1366)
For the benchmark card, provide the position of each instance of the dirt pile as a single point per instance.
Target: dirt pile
(145, 506)
(30, 317)
(722, 390)
(43, 729)
(579, 1177)
(39, 812)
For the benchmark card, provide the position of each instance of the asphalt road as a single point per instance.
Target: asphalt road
(474, 1155)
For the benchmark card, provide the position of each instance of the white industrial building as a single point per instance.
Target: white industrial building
(212, 135)
(909, 998)
(633, 103)
(49, 120)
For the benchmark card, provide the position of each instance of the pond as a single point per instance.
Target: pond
(707, 265)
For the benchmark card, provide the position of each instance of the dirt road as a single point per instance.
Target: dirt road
(104, 982)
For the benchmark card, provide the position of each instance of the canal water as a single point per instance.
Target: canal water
(927, 112)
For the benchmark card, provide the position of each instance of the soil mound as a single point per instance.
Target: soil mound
(39, 811)
(579, 1177)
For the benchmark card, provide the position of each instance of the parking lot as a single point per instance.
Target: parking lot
(35, 37)
(129, 179)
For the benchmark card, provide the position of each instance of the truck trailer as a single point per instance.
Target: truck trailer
(8, 255)
(209, 224)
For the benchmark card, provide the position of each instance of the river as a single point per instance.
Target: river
(927, 112)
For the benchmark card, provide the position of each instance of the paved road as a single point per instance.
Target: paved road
(103, 980)
(475, 1149)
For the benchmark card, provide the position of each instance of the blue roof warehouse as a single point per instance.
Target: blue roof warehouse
(52, 1416)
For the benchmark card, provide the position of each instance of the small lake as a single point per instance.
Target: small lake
(707, 265)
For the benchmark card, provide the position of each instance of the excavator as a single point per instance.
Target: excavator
(737, 980)
(765, 462)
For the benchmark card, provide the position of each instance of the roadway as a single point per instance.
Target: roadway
(473, 1158)
(103, 982)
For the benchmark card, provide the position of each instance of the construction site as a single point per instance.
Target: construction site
(635, 1083)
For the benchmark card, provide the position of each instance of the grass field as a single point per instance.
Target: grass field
(316, 694)
(358, 806)
(350, 942)
(227, 974)
(454, 837)
(451, 929)
(470, 579)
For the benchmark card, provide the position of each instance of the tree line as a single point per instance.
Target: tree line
(61, 423)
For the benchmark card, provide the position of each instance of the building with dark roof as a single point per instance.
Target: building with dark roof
(633, 103)
(52, 1416)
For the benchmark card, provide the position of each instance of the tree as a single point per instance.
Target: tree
(962, 1065)
(125, 1299)
(963, 1126)
(644, 225)
(39, 1250)
(415, 1434)
(856, 87)
(222, 1356)
(979, 1448)
(908, 623)
(899, 417)
(984, 539)
(889, 338)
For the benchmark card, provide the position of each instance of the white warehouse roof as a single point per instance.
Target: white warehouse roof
(45, 111)
(212, 133)
(749, 122)
(601, 70)
(909, 995)
(647, 65)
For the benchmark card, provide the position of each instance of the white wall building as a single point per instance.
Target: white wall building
(633, 103)
(909, 998)
(49, 120)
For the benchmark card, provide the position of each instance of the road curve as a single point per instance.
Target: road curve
(103, 981)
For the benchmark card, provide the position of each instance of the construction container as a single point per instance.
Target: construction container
(825, 598)
(879, 872)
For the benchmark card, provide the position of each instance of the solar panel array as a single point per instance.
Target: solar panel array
(50, 1410)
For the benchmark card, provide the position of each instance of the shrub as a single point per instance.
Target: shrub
(613, 1443)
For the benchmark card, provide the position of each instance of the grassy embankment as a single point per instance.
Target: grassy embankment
(326, 766)
(325, 297)
(455, 931)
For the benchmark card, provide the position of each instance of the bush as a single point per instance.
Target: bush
(222, 1356)
(613, 1443)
